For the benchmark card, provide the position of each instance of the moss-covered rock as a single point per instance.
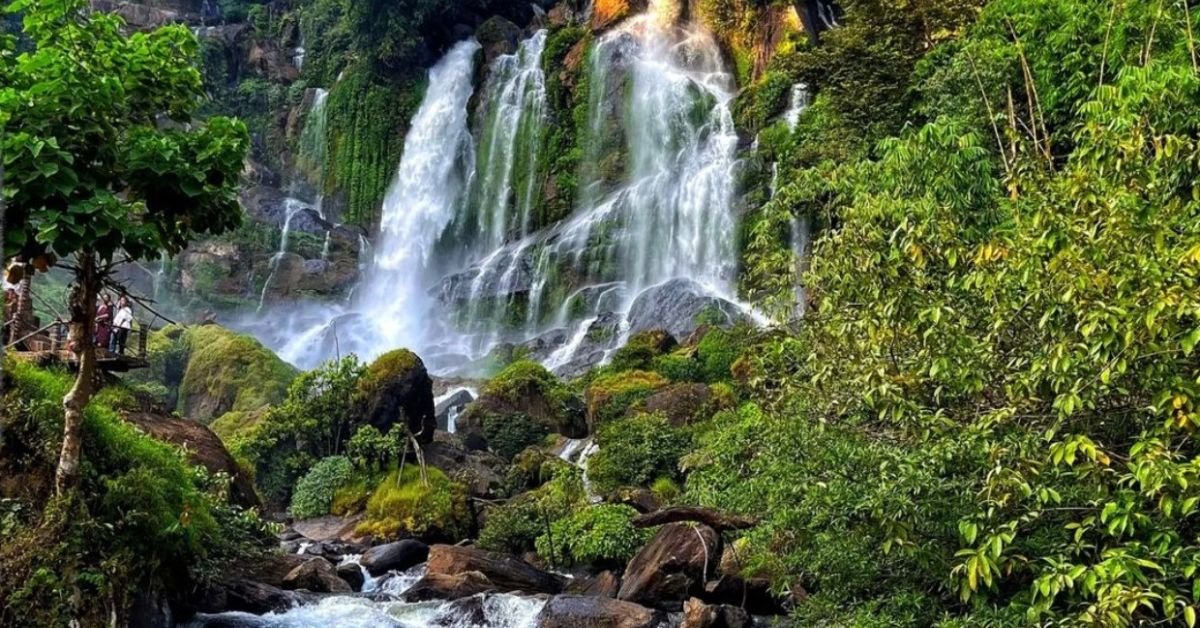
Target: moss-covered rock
(524, 398)
(222, 371)
(396, 387)
(681, 404)
(641, 349)
(717, 351)
(609, 396)
(403, 504)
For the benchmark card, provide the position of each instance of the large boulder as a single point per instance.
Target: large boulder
(681, 403)
(497, 36)
(223, 371)
(523, 403)
(672, 567)
(202, 447)
(396, 387)
(506, 572)
(439, 586)
(582, 611)
(396, 556)
(317, 575)
(679, 306)
(697, 614)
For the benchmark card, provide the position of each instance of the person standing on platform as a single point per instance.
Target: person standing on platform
(122, 323)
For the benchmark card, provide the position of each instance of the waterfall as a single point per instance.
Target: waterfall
(797, 103)
(390, 307)
(515, 109)
(463, 261)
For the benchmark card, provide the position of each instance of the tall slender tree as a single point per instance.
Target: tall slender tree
(104, 161)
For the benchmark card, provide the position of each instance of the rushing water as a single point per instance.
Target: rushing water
(465, 259)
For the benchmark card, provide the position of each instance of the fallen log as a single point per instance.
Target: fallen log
(714, 519)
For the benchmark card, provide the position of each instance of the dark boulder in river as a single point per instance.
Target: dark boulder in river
(506, 572)
(672, 567)
(396, 556)
(580, 611)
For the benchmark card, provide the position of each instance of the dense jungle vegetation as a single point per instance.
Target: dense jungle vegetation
(986, 415)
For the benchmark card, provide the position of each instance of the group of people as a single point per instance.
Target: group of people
(113, 324)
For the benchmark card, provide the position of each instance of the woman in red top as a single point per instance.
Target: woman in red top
(104, 315)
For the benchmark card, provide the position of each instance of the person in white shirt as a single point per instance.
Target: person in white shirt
(122, 323)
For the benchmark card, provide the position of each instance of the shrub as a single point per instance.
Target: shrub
(717, 351)
(515, 526)
(403, 504)
(525, 378)
(599, 535)
(610, 395)
(678, 366)
(314, 492)
(314, 422)
(641, 350)
(143, 516)
(665, 490)
(635, 451)
(508, 435)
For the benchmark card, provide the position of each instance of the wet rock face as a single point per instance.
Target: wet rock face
(672, 567)
(506, 572)
(317, 575)
(498, 36)
(680, 306)
(448, 587)
(697, 614)
(396, 556)
(578, 611)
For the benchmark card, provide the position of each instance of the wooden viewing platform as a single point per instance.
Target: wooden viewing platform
(51, 341)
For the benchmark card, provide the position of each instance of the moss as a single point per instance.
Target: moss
(681, 365)
(143, 518)
(402, 504)
(388, 367)
(227, 371)
(527, 387)
(642, 348)
(610, 395)
(723, 397)
(350, 498)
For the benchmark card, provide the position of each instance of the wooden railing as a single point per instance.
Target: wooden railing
(55, 336)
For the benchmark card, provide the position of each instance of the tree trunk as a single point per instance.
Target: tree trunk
(83, 316)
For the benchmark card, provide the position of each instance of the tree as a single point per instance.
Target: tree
(104, 162)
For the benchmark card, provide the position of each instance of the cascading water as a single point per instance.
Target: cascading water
(391, 305)
(463, 263)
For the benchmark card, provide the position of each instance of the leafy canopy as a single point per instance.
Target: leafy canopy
(100, 149)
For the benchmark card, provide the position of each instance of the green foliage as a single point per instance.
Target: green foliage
(373, 451)
(87, 167)
(599, 535)
(403, 504)
(641, 350)
(526, 379)
(314, 492)
(635, 451)
(679, 366)
(717, 351)
(1004, 330)
(516, 525)
(665, 490)
(611, 394)
(144, 517)
(509, 434)
(315, 421)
